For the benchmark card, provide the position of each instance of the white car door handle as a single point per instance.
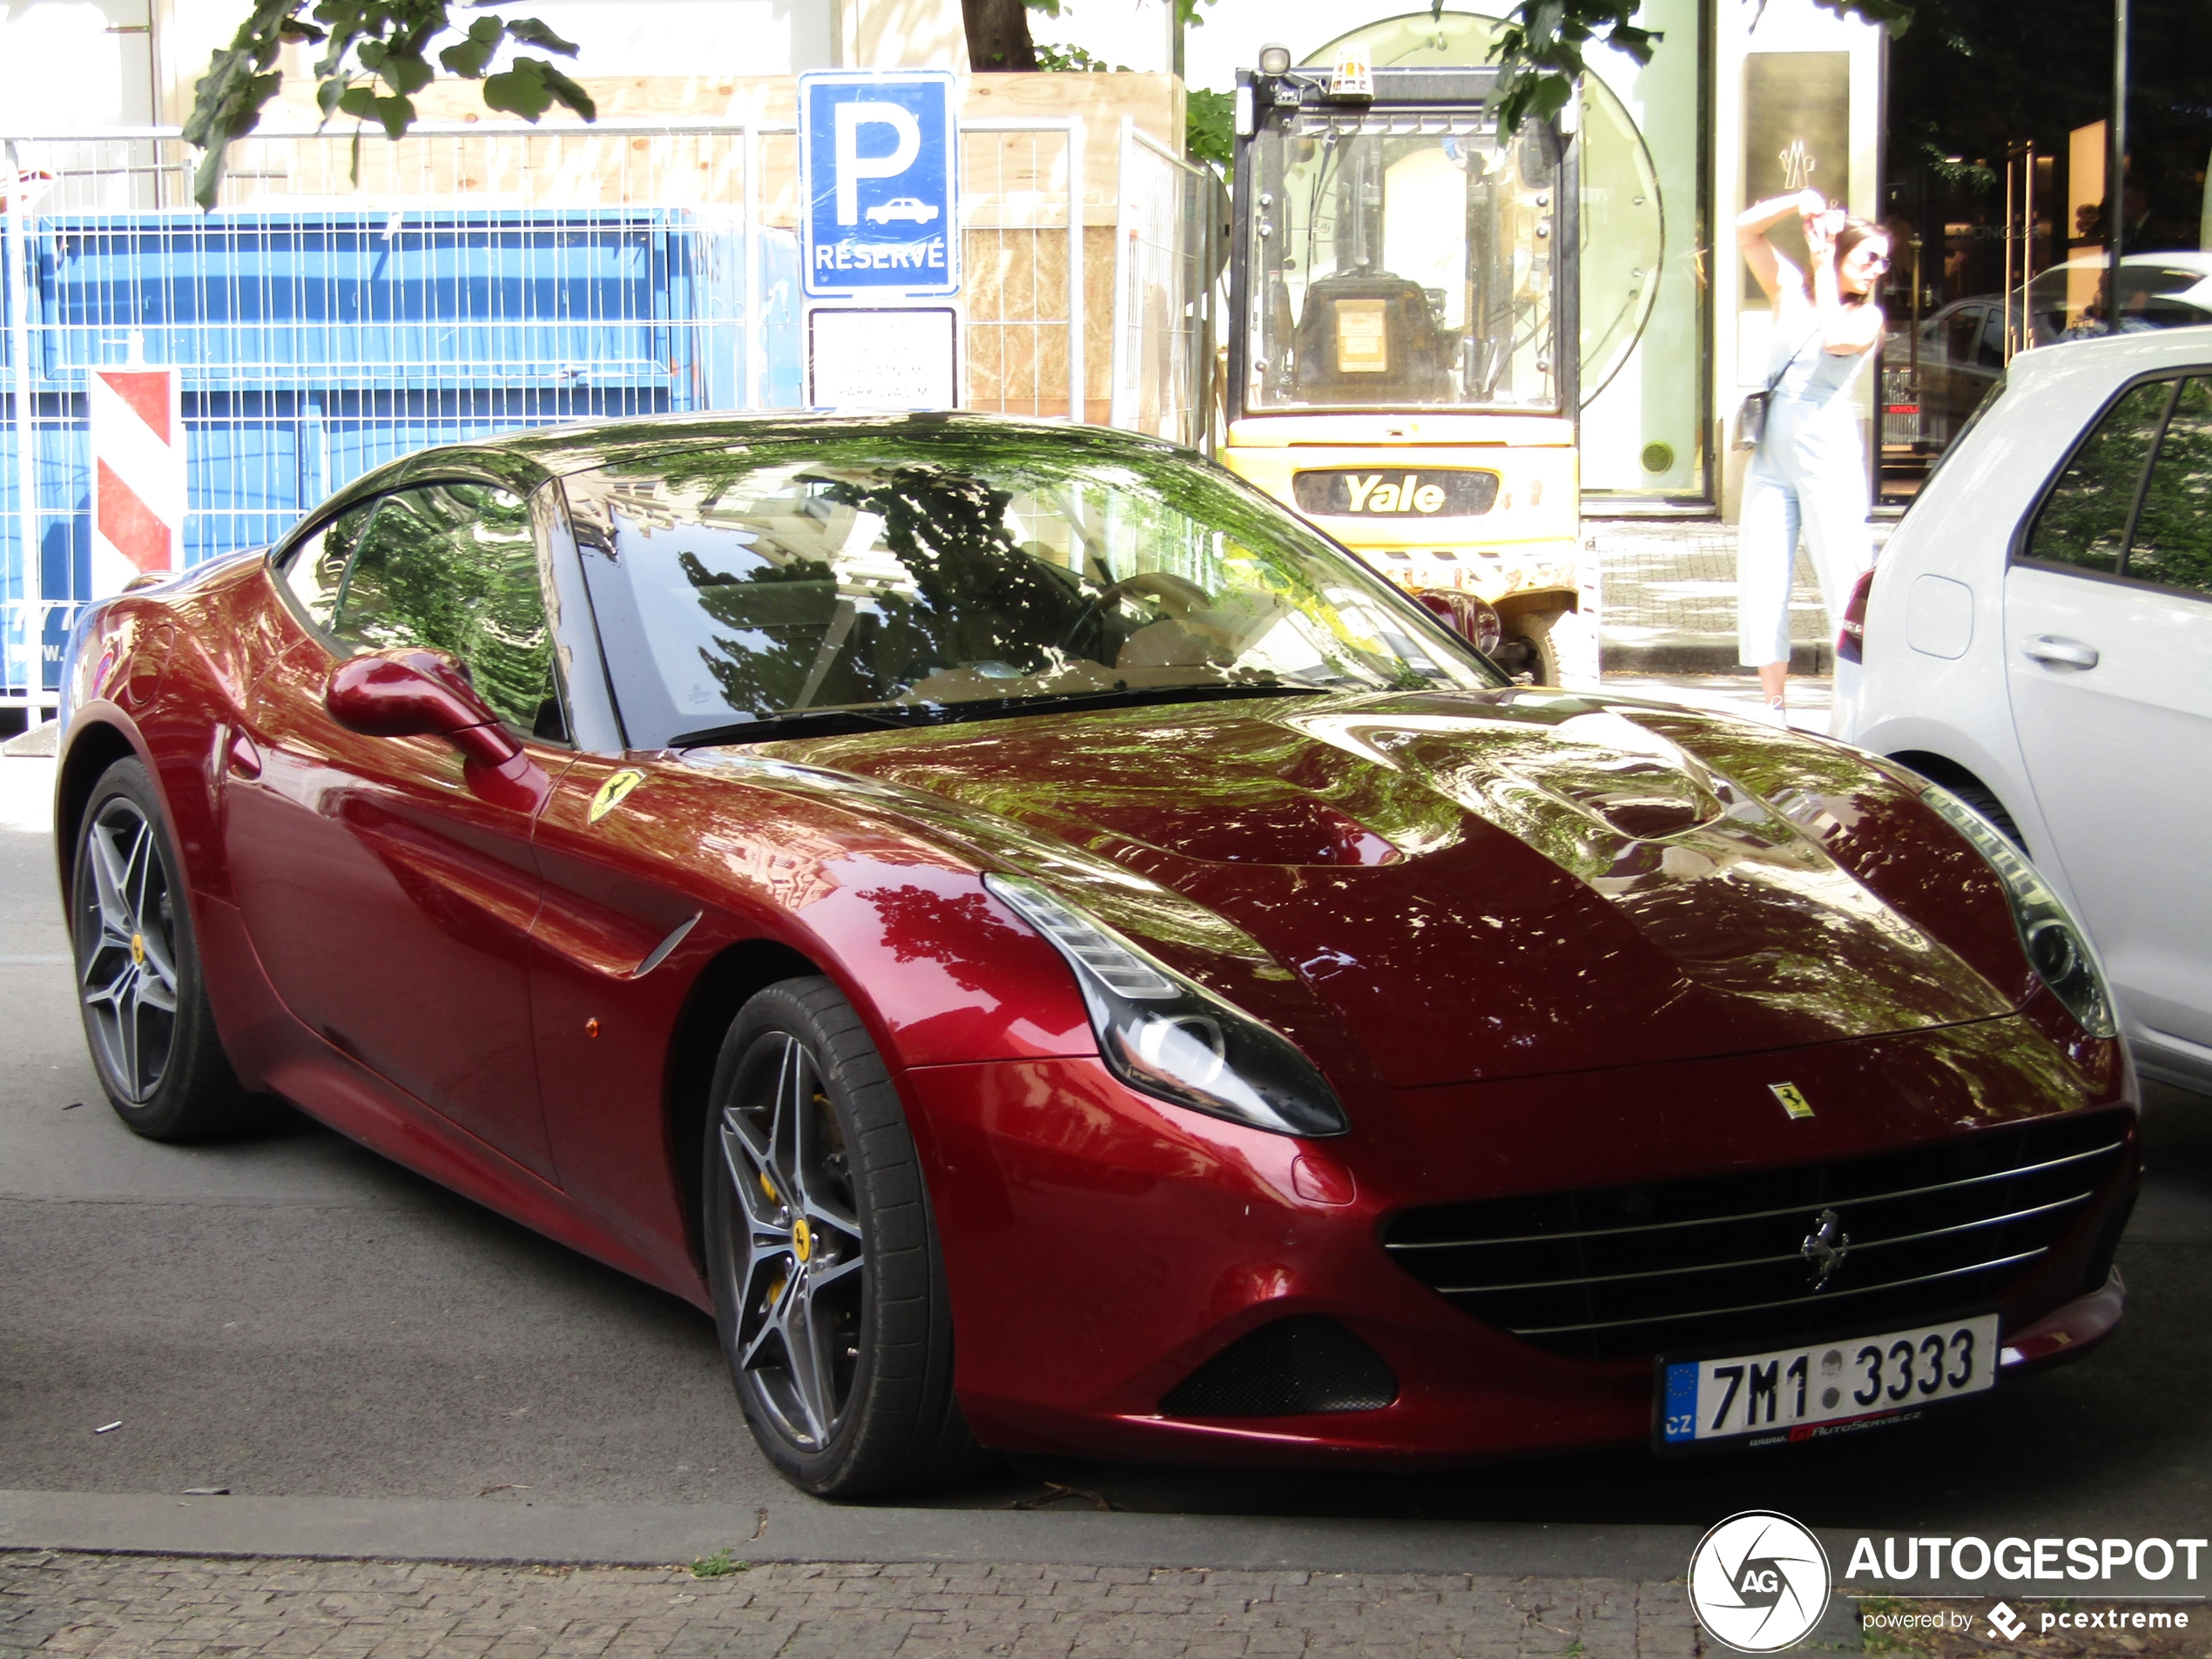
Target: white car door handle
(2049, 648)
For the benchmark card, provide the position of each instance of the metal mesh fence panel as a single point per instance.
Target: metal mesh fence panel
(1162, 332)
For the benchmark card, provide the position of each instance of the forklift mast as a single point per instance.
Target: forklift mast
(1390, 252)
(1404, 341)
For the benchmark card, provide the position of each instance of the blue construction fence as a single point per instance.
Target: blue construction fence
(315, 346)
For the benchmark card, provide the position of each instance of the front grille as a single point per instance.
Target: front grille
(1731, 1258)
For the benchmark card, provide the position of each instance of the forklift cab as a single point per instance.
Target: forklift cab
(1403, 354)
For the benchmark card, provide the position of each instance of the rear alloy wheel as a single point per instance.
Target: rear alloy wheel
(139, 986)
(829, 1291)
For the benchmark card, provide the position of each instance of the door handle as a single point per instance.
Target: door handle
(2067, 653)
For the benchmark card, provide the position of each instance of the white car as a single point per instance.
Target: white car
(2038, 636)
(900, 207)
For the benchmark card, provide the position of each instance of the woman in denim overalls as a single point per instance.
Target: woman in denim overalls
(1810, 469)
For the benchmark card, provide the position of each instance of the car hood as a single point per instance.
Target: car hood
(1459, 885)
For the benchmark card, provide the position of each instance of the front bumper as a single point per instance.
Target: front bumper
(1101, 1247)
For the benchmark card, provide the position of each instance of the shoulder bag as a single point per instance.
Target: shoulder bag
(1750, 415)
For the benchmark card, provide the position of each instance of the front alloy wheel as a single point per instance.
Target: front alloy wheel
(829, 1288)
(126, 951)
(800, 1258)
(139, 984)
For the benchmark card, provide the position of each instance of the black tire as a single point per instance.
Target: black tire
(1977, 795)
(1527, 648)
(163, 1067)
(829, 1289)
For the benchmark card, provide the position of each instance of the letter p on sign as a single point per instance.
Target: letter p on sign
(852, 166)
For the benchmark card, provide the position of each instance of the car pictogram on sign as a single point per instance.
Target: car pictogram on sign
(901, 207)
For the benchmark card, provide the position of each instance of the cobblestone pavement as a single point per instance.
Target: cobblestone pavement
(110, 1606)
(1677, 577)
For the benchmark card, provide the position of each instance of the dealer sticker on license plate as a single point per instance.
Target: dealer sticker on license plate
(1788, 1392)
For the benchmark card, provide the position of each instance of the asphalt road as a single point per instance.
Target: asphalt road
(290, 1315)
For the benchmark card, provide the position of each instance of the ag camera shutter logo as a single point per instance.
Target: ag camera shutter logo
(1758, 1581)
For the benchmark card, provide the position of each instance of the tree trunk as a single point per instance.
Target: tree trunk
(998, 34)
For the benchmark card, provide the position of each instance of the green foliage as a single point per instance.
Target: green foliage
(1209, 127)
(718, 1565)
(1975, 176)
(374, 60)
(1054, 60)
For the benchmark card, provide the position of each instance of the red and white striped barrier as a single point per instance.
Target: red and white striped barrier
(138, 430)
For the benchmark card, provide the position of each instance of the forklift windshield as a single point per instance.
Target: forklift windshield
(1402, 258)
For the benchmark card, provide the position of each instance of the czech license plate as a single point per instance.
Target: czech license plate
(1787, 1394)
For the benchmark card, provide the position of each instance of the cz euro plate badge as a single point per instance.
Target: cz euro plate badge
(1814, 1390)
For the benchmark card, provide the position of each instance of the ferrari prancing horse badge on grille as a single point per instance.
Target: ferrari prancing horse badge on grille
(1793, 1101)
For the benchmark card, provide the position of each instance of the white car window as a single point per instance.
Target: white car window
(2083, 523)
(2172, 545)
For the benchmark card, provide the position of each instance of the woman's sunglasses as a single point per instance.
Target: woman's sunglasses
(1876, 262)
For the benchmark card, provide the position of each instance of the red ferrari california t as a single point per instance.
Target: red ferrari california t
(1055, 954)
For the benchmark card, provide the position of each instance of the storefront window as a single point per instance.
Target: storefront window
(2003, 209)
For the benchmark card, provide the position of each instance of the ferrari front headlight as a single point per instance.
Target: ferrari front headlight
(2057, 949)
(1169, 1036)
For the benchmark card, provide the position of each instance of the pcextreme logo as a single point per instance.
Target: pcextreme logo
(1758, 1581)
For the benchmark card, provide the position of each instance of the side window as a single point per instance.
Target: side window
(316, 566)
(2173, 540)
(452, 567)
(2084, 519)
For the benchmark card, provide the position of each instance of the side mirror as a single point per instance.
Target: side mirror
(413, 693)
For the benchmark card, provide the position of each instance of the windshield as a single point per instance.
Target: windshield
(969, 571)
(1402, 258)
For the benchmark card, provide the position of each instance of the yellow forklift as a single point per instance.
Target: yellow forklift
(1403, 342)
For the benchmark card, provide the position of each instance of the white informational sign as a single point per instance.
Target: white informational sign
(882, 358)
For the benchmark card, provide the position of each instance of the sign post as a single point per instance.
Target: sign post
(879, 170)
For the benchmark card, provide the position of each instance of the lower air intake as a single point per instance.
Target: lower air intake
(1290, 1368)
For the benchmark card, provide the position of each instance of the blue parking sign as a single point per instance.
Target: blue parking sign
(878, 164)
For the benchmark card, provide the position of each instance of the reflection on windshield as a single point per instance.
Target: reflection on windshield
(1403, 258)
(979, 567)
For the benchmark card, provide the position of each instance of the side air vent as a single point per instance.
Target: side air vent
(1287, 1369)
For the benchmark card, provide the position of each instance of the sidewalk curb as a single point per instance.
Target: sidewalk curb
(1702, 654)
(657, 1534)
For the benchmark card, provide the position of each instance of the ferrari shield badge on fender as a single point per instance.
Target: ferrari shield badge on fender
(612, 793)
(1792, 1099)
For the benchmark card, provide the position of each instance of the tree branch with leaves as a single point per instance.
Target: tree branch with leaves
(374, 61)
